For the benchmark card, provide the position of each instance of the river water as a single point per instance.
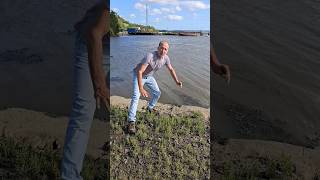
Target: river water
(189, 56)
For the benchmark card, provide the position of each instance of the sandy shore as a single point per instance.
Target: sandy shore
(42, 128)
(306, 161)
(163, 108)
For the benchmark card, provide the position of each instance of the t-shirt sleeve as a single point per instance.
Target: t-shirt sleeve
(167, 61)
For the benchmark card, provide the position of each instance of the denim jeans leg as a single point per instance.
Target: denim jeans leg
(83, 107)
(135, 98)
(155, 91)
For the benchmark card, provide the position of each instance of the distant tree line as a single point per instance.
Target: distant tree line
(118, 24)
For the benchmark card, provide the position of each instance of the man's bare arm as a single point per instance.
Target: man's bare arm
(94, 35)
(214, 58)
(143, 92)
(221, 69)
(174, 75)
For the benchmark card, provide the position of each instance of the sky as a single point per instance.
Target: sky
(166, 14)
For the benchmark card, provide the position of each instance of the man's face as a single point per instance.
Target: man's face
(163, 49)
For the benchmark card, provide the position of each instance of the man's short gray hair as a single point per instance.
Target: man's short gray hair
(163, 42)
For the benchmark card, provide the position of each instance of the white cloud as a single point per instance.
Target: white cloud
(162, 1)
(174, 17)
(155, 11)
(195, 5)
(132, 15)
(157, 20)
(140, 6)
(167, 10)
(191, 5)
(115, 10)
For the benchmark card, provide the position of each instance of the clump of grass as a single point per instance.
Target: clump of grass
(22, 161)
(164, 147)
(286, 166)
(259, 168)
(96, 169)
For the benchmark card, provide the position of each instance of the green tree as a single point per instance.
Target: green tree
(119, 24)
(114, 24)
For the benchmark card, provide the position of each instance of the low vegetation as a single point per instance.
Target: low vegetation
(22, 161)
(252, 168)
(164, 147)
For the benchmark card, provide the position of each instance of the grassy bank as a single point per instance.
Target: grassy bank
(256, 167)
(164, 147)
(22, 161)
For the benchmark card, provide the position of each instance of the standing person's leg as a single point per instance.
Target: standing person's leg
(134, 99)
(83, 108)
(151, 83)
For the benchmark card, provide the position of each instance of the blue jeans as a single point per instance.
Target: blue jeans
(82, 113)
(151, 83)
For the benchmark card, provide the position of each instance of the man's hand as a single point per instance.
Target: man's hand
(102, 94)
(221, 69)
(225, 72)
(179, 83)
(144, 93)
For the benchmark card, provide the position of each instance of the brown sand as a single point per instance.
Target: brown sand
(163, 108)
(40, 129)
(306, 161)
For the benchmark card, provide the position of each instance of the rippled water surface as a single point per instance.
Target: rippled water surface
(189, 56)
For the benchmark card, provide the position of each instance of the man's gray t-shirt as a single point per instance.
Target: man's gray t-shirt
(153, 63)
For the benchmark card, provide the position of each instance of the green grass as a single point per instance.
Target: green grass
(164, 147)
(253, 168)
(22, 161)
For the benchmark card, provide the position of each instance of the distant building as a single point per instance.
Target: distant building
(133, 30)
